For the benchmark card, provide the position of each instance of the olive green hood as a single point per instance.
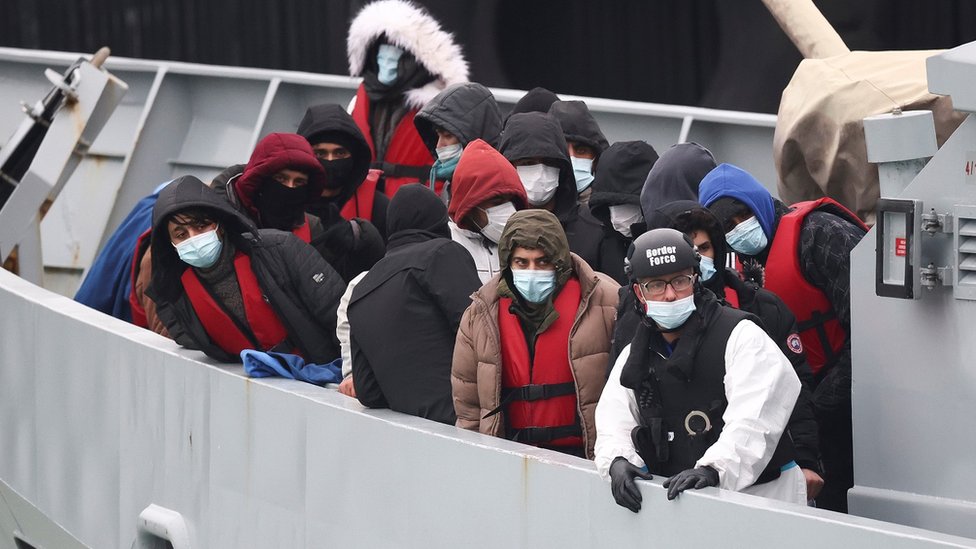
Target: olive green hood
(536, 229)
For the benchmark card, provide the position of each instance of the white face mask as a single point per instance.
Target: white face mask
(473, 235)
(623, 216)
(446, 153)
(540, 182)
(497, 218)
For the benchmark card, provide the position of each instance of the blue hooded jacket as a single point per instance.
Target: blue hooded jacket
(731, 181)
(108, 283)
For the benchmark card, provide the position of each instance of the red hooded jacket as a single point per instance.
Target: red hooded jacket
(276, 152)
(483, 173)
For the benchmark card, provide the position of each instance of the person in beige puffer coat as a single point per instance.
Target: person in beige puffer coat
(492, 364)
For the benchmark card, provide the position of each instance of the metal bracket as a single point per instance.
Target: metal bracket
(933, 222)
(67, 84)
(932, 276)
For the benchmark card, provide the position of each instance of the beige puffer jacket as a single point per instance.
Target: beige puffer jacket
(476, 373)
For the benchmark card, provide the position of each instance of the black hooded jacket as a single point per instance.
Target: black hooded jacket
(579, 126)
(299, 285)
(537, 99)
(618, 180)
(469, 111)
(777, 320)
(536, 134)
(404, 314)
(330, 123)
(675, 176)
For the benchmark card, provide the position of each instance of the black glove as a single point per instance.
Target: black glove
(339, 239)
(622, 486)
(696, 478)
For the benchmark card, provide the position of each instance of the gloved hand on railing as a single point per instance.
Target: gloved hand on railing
(696, 478)
(622, 485)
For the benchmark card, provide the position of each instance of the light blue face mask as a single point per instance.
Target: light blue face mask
(747, 237)
(583, 170)
(670, 315)
(707, 266)
(534, 285)
(386, 60)
(447, 159)
(201, 251)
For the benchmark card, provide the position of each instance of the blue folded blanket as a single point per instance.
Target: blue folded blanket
(261, 364)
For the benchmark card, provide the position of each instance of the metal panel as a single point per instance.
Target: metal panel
(92, 438)
(914, 379)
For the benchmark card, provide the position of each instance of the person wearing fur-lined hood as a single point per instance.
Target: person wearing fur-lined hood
(405, 59)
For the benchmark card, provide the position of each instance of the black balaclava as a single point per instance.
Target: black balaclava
(281, 207)
(338, 172)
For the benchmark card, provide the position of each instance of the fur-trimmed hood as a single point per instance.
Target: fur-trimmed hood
(410, 27)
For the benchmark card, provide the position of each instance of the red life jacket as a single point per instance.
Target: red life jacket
(361, 204)
(304, 232)
(135, 305)
(407, 159)
(542, 407)
(820, 332)
(731, 296)
(267, 330)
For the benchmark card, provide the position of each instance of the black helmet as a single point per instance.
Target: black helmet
(662, 251)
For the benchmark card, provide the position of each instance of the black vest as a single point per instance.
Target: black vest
(682, 398)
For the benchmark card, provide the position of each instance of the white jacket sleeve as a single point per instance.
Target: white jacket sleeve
(616, 417)
(761, 388)
(342, 326)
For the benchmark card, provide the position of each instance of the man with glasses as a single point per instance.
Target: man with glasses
(701, 395)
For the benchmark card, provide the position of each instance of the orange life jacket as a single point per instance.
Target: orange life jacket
(135, 305)
(264, 331)
(407, 159)
(304, 232)
(541, 396)
(361, 204)
(820, 332)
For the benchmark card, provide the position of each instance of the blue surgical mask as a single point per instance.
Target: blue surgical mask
(583, 170)
(671, 314)
(707, 266)
(534, 285)
(387, 59)
(201, 251)
(747, 237)
(447, 159)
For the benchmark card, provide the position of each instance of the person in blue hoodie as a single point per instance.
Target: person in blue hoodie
(108, 284)
(804, 252)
